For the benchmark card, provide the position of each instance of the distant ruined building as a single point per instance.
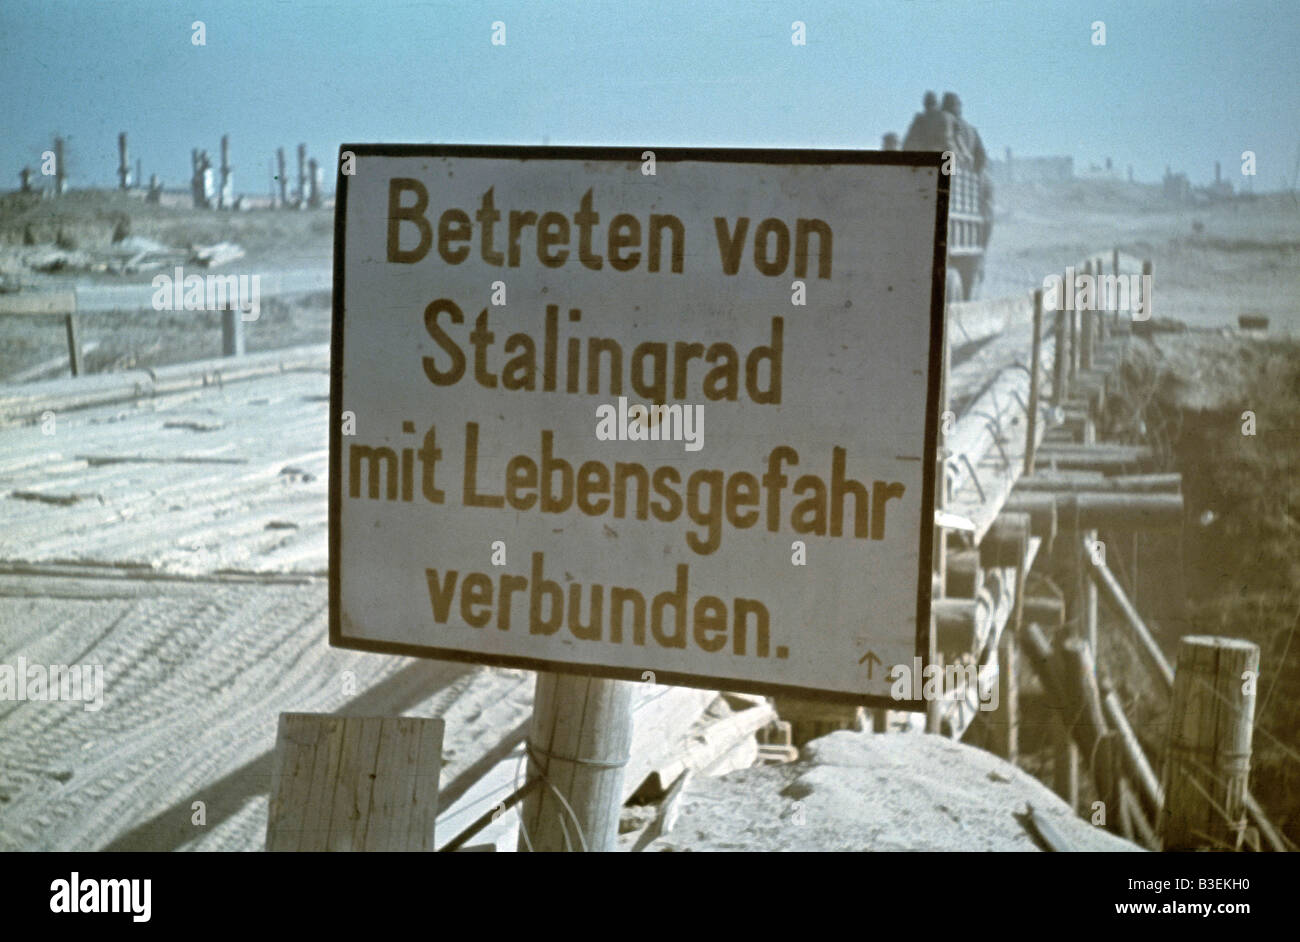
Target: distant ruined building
(1032, 169)
(1176, 186)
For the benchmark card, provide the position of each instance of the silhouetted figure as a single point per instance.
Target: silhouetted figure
(931, 129)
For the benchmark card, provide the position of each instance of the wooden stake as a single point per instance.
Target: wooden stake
(74, 343)
(1031, 430)
(1085, 327)
(1108, 584)
(1066, 768)
(1090, 592)
(1134, 755)
(232, 332)
(1074, 339)
(934, 708)
(1007, 716)
(1059, 360)
(941, 479)
(1207, 763)
(1114, 264)
(580, 739)
(1146, 295)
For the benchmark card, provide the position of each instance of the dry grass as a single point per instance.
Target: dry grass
(1236, 565)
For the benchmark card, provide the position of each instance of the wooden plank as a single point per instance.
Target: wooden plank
(973, 321)
(1098, 482)
(39, 302)
(1048, 832)
(997, 457)
(357, 792)
(661, 716)
(669, 810)
(1134, 755)
(1114, 593)
(354, 783)
(712, 743)
(25, 402)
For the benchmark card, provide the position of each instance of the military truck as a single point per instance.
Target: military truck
(970, 199)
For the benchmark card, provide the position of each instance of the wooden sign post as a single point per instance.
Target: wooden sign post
(578, 745)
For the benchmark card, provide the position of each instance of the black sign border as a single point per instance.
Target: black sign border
(662, 155)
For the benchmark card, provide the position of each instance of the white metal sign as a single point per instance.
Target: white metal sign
(619, 412)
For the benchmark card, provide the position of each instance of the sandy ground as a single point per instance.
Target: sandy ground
(1244, 258)
(862, 791)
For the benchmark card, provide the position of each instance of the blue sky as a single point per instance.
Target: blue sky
(1179, 83)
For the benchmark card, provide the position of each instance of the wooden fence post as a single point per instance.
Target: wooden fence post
(74, 343)
(1146, 295)
(1085, 325)
(1065, 768)
(1074, 333)
(232, 331)
(1207, 762)
(1007, 716)
(1114, 264)
(1031, 430)
(1058, 362)
(580, 739)
(941, 479)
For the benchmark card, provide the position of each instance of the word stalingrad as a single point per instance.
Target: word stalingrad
(650, 368)
(626, 246)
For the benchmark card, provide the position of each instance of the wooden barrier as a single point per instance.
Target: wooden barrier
(354, 783)
(26, 402)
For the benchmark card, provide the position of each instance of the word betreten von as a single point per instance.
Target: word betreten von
(551, 484)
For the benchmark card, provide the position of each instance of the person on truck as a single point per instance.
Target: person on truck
(970, 149)
(931, 129)
(965, 138)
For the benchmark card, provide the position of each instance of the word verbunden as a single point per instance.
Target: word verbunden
(544, 601)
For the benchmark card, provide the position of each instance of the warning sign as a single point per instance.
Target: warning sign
(621, 412)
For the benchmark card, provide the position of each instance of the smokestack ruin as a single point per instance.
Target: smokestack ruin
(226, 195)
(302, 176)
(314, 178)
(280, 178)
(60, 178)
(123, 163)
